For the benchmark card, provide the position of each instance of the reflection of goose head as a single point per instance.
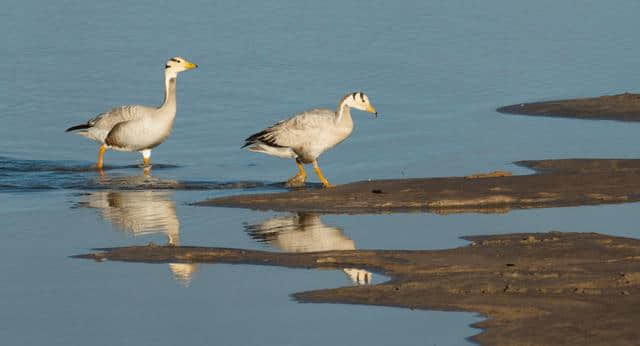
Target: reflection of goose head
(305, 232)
(358, 276)
(143, 212)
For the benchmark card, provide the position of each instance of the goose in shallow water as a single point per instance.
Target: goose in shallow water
(306, 135)
(137, 128)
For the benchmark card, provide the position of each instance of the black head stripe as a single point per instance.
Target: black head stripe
(166, 66)
(354, 96)
(174, 59)
(362, 96)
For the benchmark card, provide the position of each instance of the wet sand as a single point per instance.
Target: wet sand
(538, 288)
(622, 107)
(556, 183)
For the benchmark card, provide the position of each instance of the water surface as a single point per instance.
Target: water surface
(435, 71)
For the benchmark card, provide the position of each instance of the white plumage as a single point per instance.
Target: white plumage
(136, 127)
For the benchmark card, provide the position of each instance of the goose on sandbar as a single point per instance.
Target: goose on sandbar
(306, 135)
(136, 127)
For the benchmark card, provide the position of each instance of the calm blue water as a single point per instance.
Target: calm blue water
(434, 70)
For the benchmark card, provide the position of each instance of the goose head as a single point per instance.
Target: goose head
(359, 100)
(176, 65)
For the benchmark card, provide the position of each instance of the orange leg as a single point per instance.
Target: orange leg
(301, 169)
(103, 148)
(324, 181)
(298, 179)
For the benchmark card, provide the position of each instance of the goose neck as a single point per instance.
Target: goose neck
(169, 92)
(342, 112)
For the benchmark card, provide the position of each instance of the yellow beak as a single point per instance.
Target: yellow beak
(370, 109)
(189, 65)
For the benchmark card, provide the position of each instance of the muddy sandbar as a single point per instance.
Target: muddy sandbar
(622, 107)
(556, 183)
(535, 288)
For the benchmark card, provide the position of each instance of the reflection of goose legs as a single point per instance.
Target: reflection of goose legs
(298, 179)
(358, 276)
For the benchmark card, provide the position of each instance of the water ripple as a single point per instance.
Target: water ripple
(19, 175)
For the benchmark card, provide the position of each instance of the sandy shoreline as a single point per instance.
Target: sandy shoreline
(535, 288)
(621, 107)
(557, 183)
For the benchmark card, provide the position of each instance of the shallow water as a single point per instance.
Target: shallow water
(434, 70)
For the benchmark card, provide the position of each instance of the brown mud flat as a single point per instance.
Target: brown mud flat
(557, 183)
(535, 288)
(622, 107)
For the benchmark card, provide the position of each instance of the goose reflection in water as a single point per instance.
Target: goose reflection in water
(143, 212)
(305, 232)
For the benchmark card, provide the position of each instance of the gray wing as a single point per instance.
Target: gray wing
(106, 121)
(296, 130)
(98, 128)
